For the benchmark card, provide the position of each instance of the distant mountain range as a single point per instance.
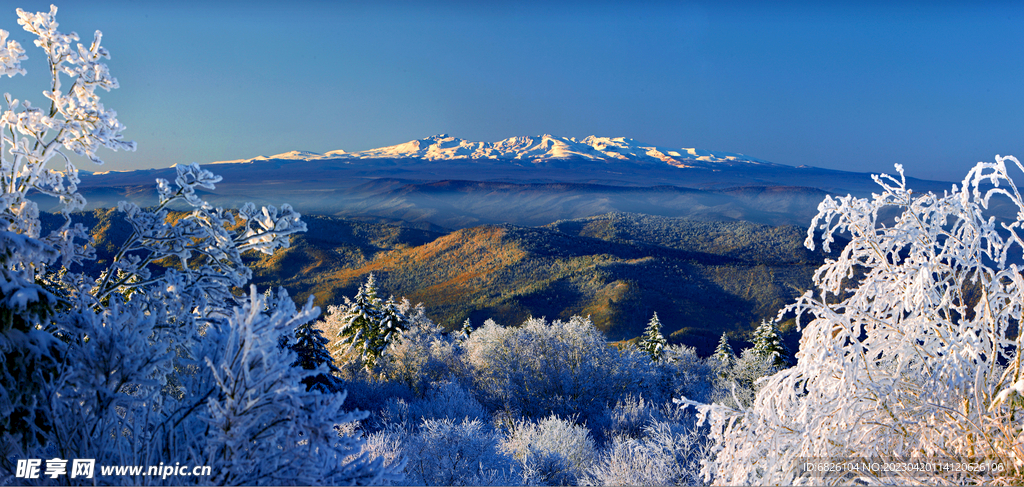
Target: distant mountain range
(543, 226)
(456, 183)
(538, 149)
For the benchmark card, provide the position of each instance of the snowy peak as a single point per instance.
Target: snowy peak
(537, 149)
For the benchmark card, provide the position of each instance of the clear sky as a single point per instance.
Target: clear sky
(854, 86)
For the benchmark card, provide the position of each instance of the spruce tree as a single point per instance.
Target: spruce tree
(724, 352)
(768, 345)
(392, 325)
(652, 341)
(360, 322)
(311, 347)
(467, 328)
(370, 325)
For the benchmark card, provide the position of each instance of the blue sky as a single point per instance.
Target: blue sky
(854, 86)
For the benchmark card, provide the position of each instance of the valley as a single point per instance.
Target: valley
(703, 278)
(533, 226)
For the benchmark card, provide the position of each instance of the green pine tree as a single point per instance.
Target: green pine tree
(311, 349)
(652, 341)
(467, 328)
(359, 324)
(724, 352)
(369, 324)
(768, 345)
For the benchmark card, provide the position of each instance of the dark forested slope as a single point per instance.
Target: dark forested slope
(702, 278)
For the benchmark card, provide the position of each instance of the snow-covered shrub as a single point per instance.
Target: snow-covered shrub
(627, 418)
(424, 355)
(911, 349)
(665, 454)
(455, 452)
(682, 373)
(373, 395)
(563, 368)
(445, 399)
(386, 445)
(552, 451)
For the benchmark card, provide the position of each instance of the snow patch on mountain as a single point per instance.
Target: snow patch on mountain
(539, 148)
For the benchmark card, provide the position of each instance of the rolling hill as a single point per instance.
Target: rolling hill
(542, 226)
(703, 278)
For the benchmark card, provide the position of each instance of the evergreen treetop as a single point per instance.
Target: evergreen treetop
(652, 341)
(311, 352)
(768, 344)
(370, 324)
(724, 352)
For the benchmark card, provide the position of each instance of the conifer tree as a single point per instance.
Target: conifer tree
(392, 324)
(652, 341)
(360, 319)
(311, 349)
(724, 352)
(369, 325)
(467, 328)
(768, 345)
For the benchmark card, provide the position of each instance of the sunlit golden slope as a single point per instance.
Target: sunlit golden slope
(702, 278)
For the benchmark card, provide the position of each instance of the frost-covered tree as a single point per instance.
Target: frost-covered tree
(912, 345)
(724, 353)
(393, 323)
(310, 347)
(74, 121)
(551, 451)
(155, 359)
(652, 341)
(768, 345)
(355, 322)
(562, 368)
(367, 325)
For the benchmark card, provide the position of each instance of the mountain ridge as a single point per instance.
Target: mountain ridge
(546, 147)
(456, 183)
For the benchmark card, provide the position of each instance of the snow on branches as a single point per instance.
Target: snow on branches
(367, 325)
(652, 340)
(911, 347)
(31, 136)
(154, 359)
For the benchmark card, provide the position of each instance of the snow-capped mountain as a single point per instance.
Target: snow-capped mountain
(533, 149)
(452, 182)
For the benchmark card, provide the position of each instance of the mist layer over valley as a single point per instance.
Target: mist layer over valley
(545, 226)
(540, 310)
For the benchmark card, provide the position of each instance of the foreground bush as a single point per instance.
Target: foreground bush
(564, 368)
(912, 347)
(154, 360)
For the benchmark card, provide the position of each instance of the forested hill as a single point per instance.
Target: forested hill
(703, 278)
